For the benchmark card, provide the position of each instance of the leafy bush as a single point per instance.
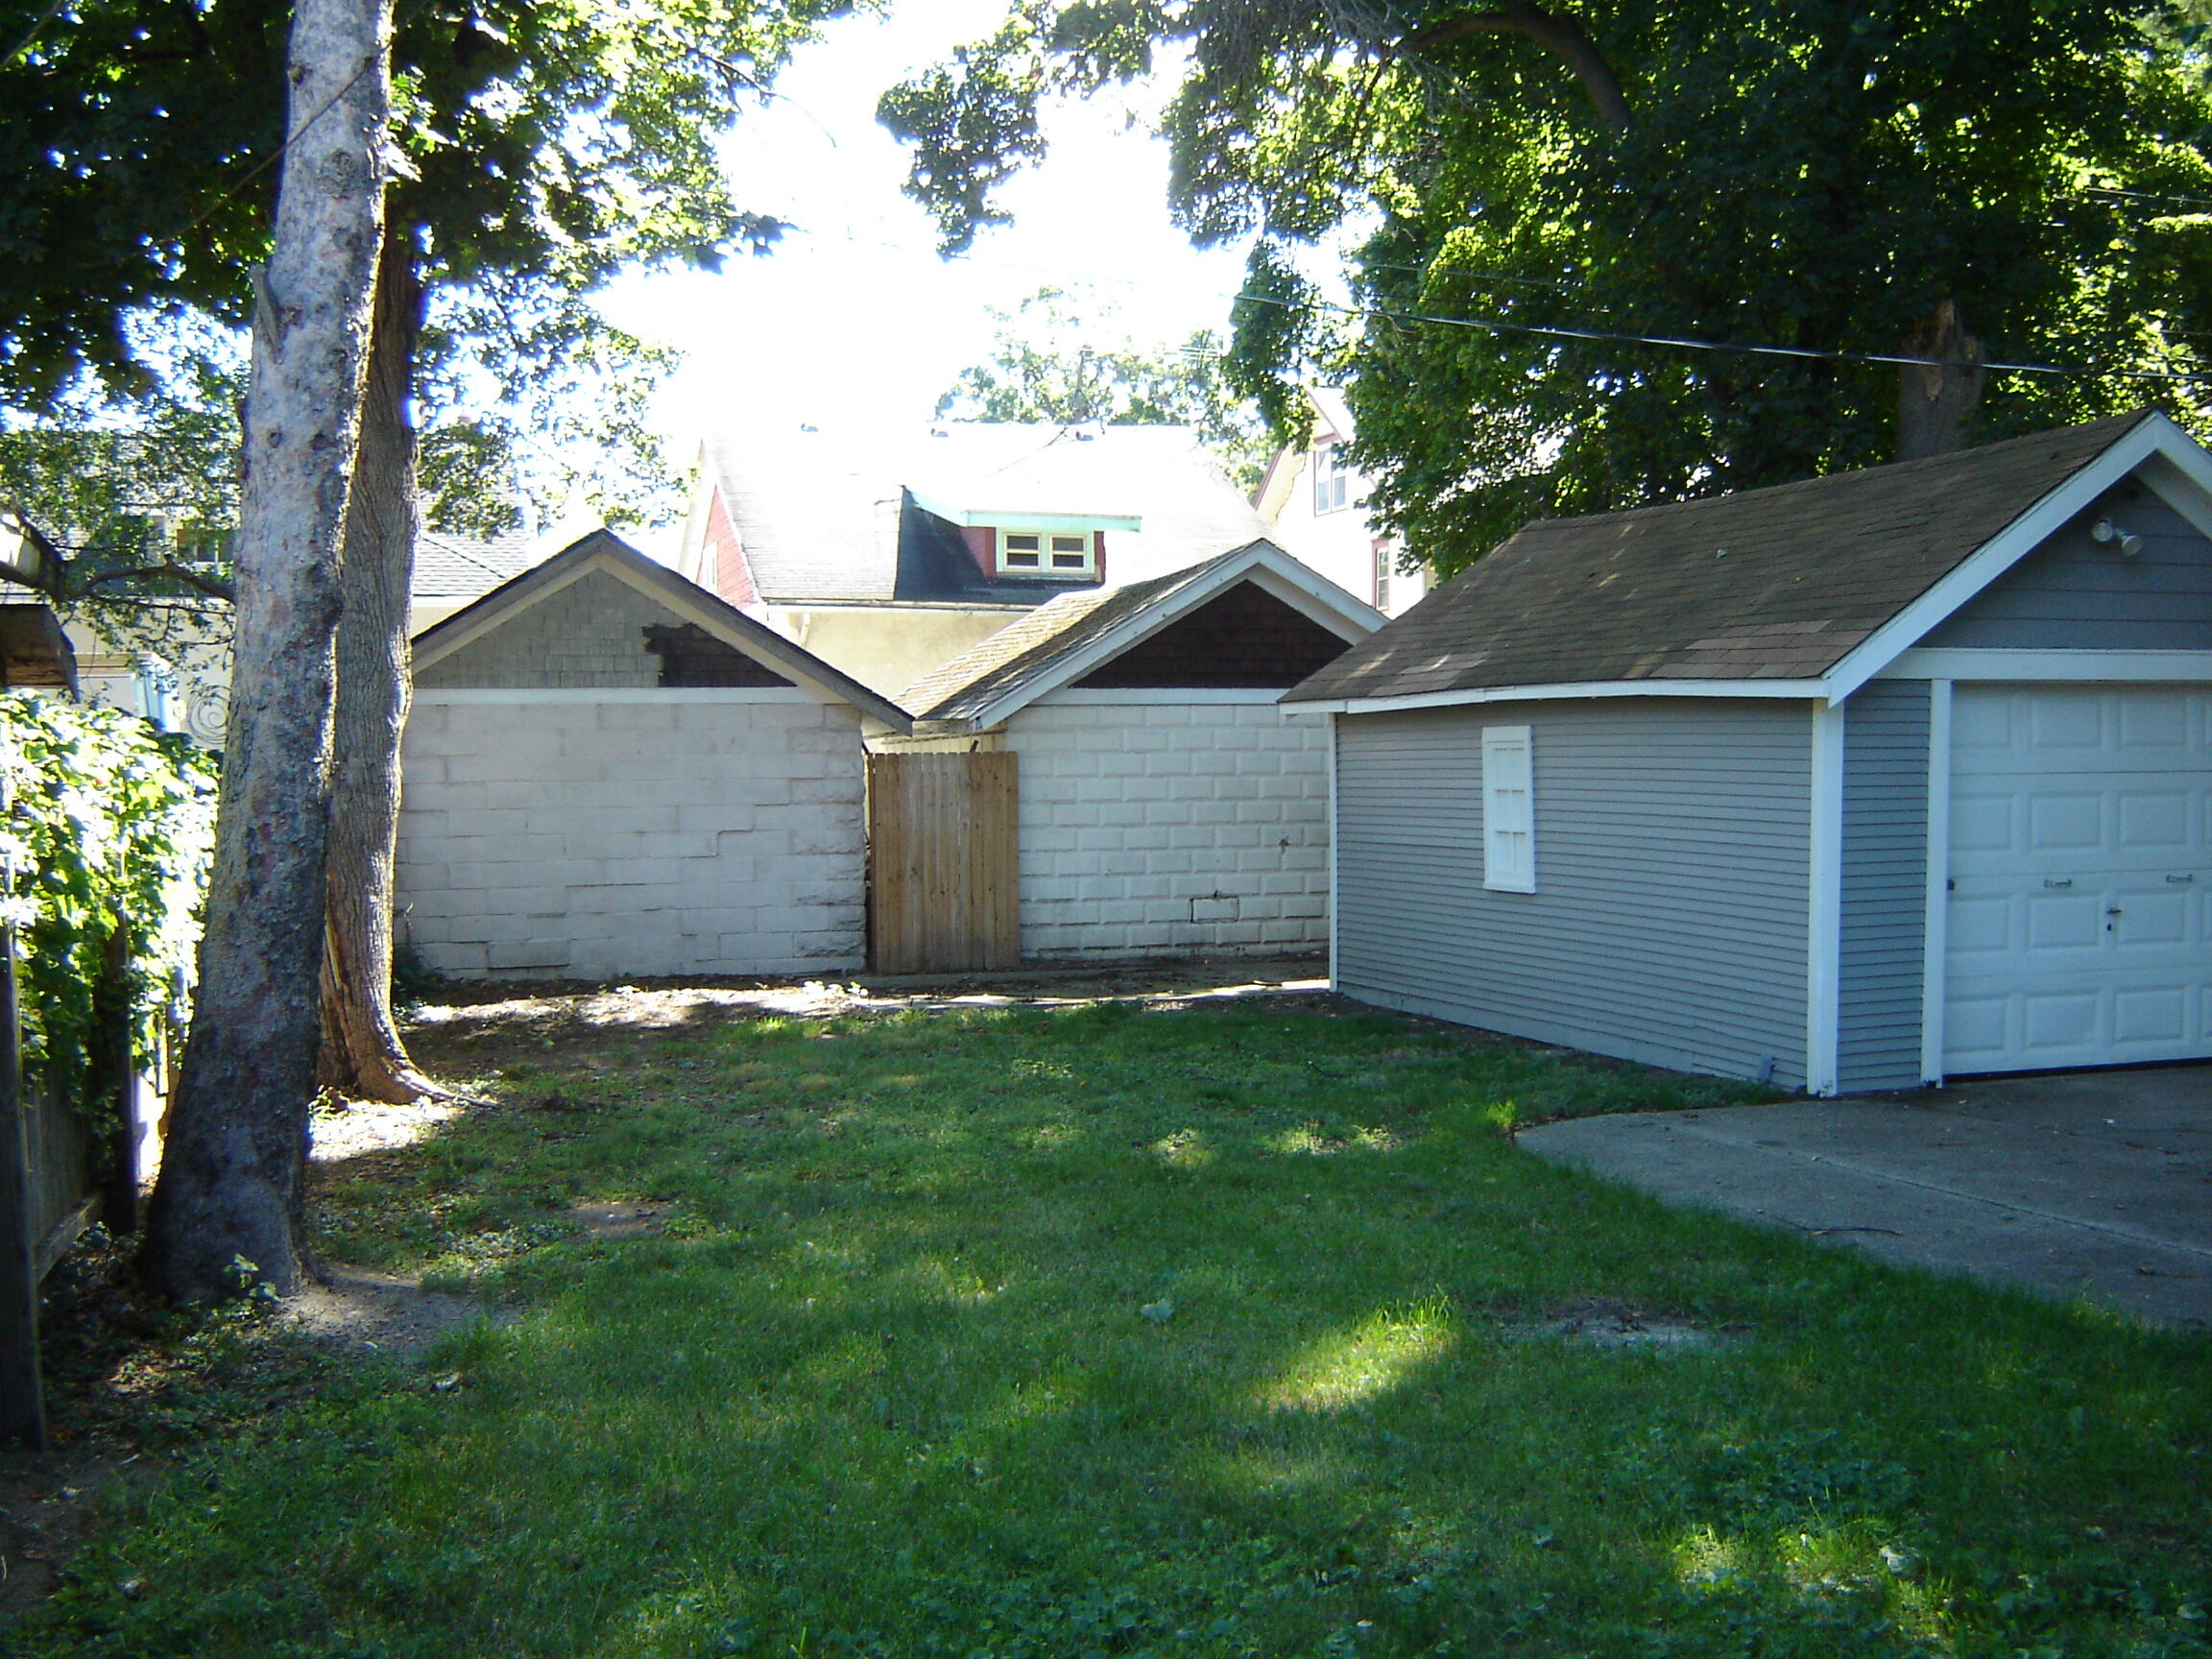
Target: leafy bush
(107, 823)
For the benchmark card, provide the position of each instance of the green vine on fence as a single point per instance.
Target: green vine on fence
(107, 822)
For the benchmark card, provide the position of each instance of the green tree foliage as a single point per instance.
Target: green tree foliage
(1809, 175)
(548, 143)
(547, 146)
(1052, 362)
(106, 824)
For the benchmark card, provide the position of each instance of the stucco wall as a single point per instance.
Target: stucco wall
(1171, 822)
(594, 834)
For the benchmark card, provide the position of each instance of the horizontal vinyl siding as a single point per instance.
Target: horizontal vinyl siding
(1668, 919)
(2073, 593)
(1885, 910)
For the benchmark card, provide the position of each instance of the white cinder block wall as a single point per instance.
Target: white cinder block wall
(1170, 821)
(597, 833)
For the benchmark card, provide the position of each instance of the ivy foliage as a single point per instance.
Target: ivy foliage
(108, 823)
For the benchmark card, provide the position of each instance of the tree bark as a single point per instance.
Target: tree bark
(1558, 34)
(1936, 396)
(227, 1212)
(362, 1055)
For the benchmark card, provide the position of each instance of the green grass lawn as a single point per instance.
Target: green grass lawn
(1233, 1330)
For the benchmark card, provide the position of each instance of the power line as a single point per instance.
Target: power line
(1495, 325)
(1562, 331)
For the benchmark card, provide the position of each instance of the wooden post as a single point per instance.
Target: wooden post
(22, 1406)
(114, 1074)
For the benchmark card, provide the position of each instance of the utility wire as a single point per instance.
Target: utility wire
(1561, 332)
(1495, 325)
(284, 145)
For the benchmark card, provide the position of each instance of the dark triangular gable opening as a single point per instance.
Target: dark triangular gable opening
(1242, 637)
(690, 656)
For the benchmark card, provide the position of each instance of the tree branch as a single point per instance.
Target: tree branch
(214, 587)
(1557, 34)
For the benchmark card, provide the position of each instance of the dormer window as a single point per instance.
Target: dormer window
(1331, 481)
(1047, 553)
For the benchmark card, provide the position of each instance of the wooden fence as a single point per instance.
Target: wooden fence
(54, 1169)
(944, 891)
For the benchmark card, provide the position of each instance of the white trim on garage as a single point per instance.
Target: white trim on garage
(1938, 877)
(456, 694)
(1963, 664)
(1335, 909)
(1824, 904)
(1160, 696)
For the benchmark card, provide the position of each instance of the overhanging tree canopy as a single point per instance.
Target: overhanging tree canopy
(1532, 196)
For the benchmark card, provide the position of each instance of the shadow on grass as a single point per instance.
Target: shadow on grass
(1105, 1331)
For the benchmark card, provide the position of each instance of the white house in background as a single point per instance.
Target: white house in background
(1314, 506)
(190, 693)
(891, 551)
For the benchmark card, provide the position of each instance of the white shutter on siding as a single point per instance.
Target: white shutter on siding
(1509, 810)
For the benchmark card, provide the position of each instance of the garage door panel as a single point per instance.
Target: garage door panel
(2152, 721)
(2058, 726)
(2151, 918)
(2070, 922)
(2151, 1016)
(2156, 821)
(1982, 824)
(1980, 926)
(2073, 821)
(2079, 928)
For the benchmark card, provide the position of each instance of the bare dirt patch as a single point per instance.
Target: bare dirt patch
(1602, 1322)
(386, 1313)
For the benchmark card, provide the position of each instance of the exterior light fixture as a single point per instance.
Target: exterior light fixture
(2105, 531)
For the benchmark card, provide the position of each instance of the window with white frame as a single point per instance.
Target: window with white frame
(1331, 481)
(1047, 553)
(1509, 810)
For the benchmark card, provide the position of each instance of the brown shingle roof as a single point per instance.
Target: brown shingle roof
(1040, 642)
(1776, 584)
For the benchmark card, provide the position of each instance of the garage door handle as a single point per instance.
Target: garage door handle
(2180, 881)
(2066, 881)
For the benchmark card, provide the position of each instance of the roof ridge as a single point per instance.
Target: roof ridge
(1879, 470)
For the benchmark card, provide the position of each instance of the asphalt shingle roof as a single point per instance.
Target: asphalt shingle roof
(1779, 583)
(450, 567)
(1038, 643)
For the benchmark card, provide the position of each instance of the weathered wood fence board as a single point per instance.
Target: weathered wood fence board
(944, 870)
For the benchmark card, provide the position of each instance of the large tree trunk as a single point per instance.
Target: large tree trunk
(362, 1055)
(1935, 398)
(227, 1212)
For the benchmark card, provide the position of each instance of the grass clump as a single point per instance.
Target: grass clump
(1110, 1331)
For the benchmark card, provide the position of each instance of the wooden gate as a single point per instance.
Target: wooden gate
(944, 891)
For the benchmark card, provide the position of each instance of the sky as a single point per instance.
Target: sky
(855, 317)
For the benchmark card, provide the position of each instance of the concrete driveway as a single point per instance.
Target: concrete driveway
(2095, 1183)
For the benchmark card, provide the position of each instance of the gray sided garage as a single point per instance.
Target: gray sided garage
(609, 772)
(1884, 778)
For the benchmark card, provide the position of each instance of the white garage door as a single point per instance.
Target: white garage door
(2080, 916)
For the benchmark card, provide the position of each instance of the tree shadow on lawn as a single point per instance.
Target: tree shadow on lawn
(1207, 1332)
